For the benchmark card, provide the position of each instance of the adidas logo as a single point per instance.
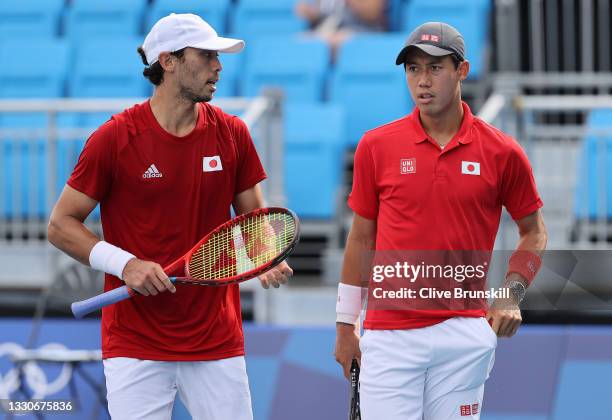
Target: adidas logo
(152, 172)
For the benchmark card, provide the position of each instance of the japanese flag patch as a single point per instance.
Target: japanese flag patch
(470, 168)
(211, 164)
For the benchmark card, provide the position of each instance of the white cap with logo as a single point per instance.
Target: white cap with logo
(177, 31)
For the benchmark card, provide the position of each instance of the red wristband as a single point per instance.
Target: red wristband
(525, 263)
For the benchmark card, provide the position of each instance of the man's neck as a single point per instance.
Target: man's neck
(442, 128)
(176, 115)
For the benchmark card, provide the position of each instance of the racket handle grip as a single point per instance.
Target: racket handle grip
(84, 307)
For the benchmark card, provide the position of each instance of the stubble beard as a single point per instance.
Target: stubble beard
(189, 95)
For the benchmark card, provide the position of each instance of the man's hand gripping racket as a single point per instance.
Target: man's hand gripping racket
(238, 250)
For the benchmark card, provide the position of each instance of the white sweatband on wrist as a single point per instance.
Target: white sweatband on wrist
(349, 303)
(109, 258)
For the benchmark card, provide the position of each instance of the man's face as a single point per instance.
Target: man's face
(434, 82)
(198, 74)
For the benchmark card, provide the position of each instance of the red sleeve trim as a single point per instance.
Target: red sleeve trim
(83, 189)
(249, 184)
(516, 215)
(361, 211)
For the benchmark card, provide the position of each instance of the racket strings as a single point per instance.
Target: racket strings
(242, 247)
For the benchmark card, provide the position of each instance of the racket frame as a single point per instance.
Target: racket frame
(185, 259)
(354, 406)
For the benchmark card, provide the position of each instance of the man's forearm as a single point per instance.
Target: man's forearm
(357, 261)
(533, 241)
(529, 251)
(355, 273)
(72, 237)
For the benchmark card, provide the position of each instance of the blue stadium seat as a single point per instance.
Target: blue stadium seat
(108, 67)
(23, 178)
(212, 11)
(265, 17)
(471, 18)
(26, 18)
(24, 174)
(314, 146)
(593, 198)
(232, 65)
(33, 68)
(368, 84)
(96, 18)
(296, 64)
(393, 12)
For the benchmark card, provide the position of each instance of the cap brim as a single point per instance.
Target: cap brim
(429, 49)
(226, 45)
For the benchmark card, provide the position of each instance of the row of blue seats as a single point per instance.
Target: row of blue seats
(85, 19)
(365, 79)
(312, 193)
(40, 68)
(314, 139)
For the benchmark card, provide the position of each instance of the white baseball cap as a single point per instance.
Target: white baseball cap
(177, 31)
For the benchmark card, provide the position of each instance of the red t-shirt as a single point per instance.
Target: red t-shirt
(424, 197)
(158, 197)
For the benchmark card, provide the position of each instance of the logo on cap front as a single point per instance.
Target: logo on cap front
(428, 37)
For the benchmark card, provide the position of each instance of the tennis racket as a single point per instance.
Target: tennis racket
(354, 410)
(238, 250)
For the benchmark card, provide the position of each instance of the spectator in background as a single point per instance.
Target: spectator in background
(337, 20)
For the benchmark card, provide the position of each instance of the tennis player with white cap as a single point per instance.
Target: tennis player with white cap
(165, 173)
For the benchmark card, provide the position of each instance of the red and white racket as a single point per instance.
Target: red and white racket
(238, 250)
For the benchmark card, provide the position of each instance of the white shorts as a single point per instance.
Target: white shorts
(145, 389)
(431, 373)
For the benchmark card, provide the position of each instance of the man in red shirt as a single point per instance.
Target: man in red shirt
(165, 173)
(433, 183)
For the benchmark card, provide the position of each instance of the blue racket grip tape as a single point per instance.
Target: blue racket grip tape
(82, 308)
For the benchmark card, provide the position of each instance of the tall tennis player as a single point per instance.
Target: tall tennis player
(434, 181)
(165, 173)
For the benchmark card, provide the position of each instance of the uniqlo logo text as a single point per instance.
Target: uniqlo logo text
(466, 410)
(408, 166)
(428, 37)
(475, 408)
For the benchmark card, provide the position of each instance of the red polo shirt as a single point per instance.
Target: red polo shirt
(424, 197)
(158, 196)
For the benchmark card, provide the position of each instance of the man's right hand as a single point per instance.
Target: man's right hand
(146, 277)
(347, 346)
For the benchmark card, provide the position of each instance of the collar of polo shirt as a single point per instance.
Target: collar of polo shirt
(419, 135)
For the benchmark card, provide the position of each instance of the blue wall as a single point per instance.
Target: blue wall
(544, 373)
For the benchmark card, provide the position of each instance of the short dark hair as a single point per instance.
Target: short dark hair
(155, 72)
(455, 57)
(456, 60)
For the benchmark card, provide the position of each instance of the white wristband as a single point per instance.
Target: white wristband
(349, 303)
(109, 258)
